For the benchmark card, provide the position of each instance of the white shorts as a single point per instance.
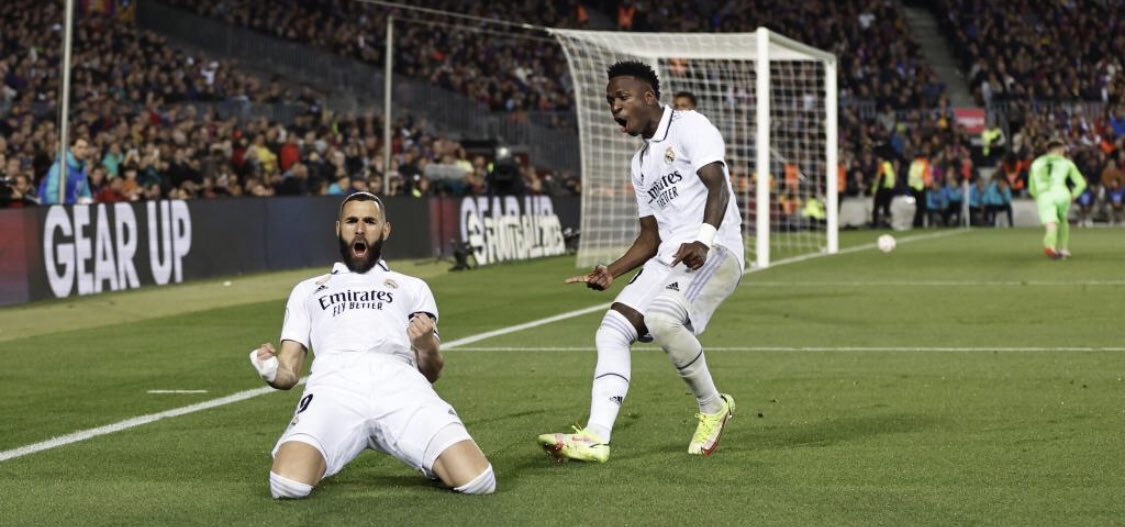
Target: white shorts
(360, 401)
(701, 290)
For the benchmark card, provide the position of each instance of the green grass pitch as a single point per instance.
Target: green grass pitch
(961, 380)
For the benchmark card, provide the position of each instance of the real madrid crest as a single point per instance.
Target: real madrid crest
(669, 156)
(390, 283)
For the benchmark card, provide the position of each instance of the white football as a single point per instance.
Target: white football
(886, 243)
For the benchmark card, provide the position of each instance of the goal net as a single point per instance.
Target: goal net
(772, 98)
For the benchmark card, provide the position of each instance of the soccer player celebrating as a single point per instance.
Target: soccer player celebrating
(377, 354)
(1046, 183)
(691, 256)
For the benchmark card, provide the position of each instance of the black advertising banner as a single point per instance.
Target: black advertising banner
(64, 251)
(507, 228)
(88, 249)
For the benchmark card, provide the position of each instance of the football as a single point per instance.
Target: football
(886, 243)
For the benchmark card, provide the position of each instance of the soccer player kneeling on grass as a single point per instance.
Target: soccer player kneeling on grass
(1046, 182)
(377, 354)
(687, 217)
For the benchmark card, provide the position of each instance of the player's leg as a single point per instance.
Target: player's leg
(621, 326)
(297, 468)
(1064, 228)
(419, 428)
(463, 467)
(613, 341)
(1048, 216)
(675, 316)
(325, 434)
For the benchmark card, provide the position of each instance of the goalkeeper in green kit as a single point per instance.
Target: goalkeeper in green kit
(1047, 184)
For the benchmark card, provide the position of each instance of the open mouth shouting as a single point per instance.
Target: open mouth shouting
(622, 123)
(359, 248)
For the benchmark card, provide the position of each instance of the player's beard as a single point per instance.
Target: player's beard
(361, 264)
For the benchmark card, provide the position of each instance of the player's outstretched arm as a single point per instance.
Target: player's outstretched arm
(281, 369)
(693, 254)
(427, 349)
(643, 249)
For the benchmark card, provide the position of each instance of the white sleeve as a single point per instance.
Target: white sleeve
(423, 302)
(298, 323)
(643, 208)
(704, 144)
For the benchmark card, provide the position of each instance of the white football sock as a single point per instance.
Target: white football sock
(611, 375)
(484, 483)
(283, 487)
(665, 320)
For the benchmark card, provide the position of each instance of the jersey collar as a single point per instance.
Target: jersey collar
(341, 268)
(662, 129)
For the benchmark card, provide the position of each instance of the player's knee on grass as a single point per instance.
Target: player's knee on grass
(300, 460)
(283, 487)
(484, 483)
(461, 465)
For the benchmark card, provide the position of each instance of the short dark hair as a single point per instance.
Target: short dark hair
(1055, 142)
(640, 70)
(689, 95)
(363, 196)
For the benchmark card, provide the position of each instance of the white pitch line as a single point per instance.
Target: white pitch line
(528, 325)
(857, 248)
(941, 283)
(83, 435)
(826, 348)
(601, 307)
(175, 391)
(130, 423)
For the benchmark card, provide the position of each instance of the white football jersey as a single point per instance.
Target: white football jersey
(345, 312)
(666, 180)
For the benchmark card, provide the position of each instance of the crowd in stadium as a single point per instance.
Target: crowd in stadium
(151, 124)
(1029, 49)
(136, 98)
(515, 74)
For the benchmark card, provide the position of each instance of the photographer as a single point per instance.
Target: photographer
(17, 191)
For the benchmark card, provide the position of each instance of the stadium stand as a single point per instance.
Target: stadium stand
(213, 124)
(1042, 73)
(167, 122)
(885, 81)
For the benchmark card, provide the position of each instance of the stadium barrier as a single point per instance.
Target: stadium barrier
(73, 250)
(856, 212)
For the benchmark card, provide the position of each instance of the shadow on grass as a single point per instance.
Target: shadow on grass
(832, 431)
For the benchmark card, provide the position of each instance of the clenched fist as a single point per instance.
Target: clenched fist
(421, 327)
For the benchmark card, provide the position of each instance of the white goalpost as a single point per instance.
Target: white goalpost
(773, 99)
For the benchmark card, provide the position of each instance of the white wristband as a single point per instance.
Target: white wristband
(267, 369)
(706, 234)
